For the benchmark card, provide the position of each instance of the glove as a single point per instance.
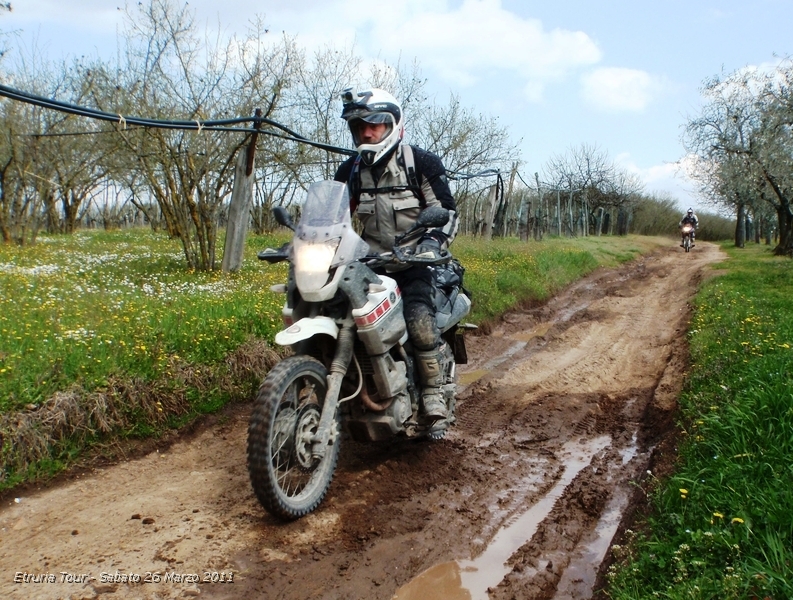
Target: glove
(428, 246)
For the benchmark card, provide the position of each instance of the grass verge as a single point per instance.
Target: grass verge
(107, 334)
(505, 273)
(722, 525)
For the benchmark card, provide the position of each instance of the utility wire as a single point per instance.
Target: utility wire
(222, 125)
(523, 180)
(458, 176)
(195, 125)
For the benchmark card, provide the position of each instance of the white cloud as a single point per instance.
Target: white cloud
(479, 37)
(461, 42)
(669, 178)
(619, 89)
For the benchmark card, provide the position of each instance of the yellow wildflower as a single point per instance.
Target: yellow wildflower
(719, 515)
(737, 520)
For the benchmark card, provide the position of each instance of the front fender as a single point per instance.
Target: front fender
(306, 328)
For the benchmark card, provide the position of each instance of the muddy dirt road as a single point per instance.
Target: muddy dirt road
(562, 407)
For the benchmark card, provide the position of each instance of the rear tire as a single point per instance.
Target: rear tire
(288, 482)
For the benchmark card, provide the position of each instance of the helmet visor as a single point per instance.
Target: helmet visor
(378, 117)
(370, 123)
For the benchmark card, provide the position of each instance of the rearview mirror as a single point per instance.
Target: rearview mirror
(282, 217)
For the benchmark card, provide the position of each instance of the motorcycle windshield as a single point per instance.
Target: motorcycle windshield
(325, 238)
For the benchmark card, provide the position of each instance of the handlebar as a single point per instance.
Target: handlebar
(405, 256)
(273, 256)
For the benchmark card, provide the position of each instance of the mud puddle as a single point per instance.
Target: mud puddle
(471, 579)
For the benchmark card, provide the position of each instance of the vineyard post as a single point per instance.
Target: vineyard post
(239, 207)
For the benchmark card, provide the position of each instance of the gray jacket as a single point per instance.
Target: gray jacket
(386, 201)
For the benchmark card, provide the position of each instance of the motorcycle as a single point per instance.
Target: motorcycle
(352, 370)
(688, 230)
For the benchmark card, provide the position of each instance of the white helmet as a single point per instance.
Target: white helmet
(373, 106)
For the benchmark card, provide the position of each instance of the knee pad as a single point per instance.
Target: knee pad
(422, 329)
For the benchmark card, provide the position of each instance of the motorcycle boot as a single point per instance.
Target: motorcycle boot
(429, 369)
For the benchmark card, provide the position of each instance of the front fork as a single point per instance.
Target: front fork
(326, 430)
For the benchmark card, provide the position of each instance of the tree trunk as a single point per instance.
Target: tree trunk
(622, 221)
(785, 245)
(740, 227)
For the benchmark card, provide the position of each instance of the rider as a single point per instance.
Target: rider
(388, 190)
(691, 219)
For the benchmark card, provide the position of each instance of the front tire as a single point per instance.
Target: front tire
(288, 482)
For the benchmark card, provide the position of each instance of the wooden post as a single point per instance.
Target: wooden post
(539, 220)
(510, 187)
(488, 215)
(558, 214)
(523, 216)
(240, 205)
(599, 220)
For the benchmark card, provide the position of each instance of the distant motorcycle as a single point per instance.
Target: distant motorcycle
(688, 230)
(353, 368)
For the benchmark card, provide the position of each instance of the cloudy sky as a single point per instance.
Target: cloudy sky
(620, 74)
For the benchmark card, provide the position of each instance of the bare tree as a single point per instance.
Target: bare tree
(168, 71)
(599, 194)
(181, 179)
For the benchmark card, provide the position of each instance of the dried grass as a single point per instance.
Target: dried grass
(74, 416)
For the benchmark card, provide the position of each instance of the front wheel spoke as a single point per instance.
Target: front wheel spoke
(278, 464)
(277, 451)
(286, 477)
(281, 479)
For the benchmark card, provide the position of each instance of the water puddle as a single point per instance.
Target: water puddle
(631, 451)
(471, 376)
(509, 353)
(569, 312)
(470, 579)
(580, 575)
(527, 336)
(521, 340)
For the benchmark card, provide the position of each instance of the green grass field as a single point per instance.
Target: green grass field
(108, 334)
(722, 525)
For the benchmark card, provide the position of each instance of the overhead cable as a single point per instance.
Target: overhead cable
(458, 176)
(194, 125)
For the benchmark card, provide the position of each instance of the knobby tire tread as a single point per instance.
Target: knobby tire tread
(266, 404)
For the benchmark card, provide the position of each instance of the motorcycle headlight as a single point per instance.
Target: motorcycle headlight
(313, 262)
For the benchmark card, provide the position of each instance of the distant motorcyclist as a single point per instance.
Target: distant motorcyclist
(689, 219)
(390, 184)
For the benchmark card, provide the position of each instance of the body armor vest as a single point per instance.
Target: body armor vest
(389, 206)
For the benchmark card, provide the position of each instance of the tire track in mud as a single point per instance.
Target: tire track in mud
(563, 406)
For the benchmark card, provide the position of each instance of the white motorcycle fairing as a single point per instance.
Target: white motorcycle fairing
(307, 328)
